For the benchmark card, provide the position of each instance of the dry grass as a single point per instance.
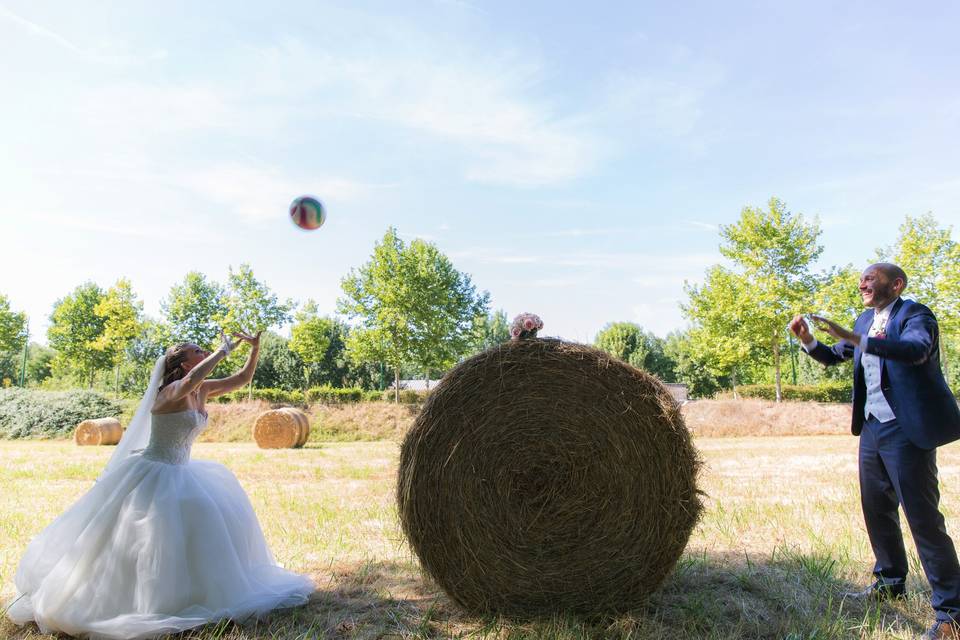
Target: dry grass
(750, 417)
(370, 421)
(781, 536)
(366, 421)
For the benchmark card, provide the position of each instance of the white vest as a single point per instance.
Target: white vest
(876, 405)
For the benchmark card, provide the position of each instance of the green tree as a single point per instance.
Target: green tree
(774, 251)
(837, 297)
(692, 366)
(279, 367)
(413, 307)
(194, 310)
(928, 254)
(490, 329)
(446, 306)
(75, 332)
(722, 312)
(320, 341)
(13, 327)
(40, 362)
(123, 322)
(13, 339)
(251, 305)
(642, 349)
(310, 338)
(142, 353)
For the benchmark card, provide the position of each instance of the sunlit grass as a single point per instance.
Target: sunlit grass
(781, 537)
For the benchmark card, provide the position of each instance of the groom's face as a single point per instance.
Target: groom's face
(876, 288)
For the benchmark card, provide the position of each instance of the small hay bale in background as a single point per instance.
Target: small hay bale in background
(101, 431)
(544, 476)
(285, 428)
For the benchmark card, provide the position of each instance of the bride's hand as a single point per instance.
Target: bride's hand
(227, 345)
(252, 340)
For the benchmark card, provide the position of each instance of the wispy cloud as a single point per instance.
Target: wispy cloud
(257, 192)
(479, 102)
(705, 226)
(584, 232)
(652, 103)
(628, 262)
(138, 229)
(40, 31)
(418, 236)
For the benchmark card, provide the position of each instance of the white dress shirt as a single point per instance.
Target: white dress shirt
(876, 404)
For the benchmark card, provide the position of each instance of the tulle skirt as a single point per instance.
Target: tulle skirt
(153, 548)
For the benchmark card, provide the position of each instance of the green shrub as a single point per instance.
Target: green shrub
(372, 396)
(334, 395)
(273, 396)
(407, 396)
(823, 392)
(27, 413)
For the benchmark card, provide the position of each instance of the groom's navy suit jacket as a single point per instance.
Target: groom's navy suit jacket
(911, 379)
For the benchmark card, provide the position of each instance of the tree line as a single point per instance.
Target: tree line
(408, 312)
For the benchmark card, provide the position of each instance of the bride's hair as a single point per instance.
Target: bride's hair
(173, 357)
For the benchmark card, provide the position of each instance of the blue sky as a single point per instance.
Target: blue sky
(575, 158)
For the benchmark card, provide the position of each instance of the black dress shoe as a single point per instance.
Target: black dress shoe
(879, 591)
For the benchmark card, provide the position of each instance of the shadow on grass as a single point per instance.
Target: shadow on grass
(787, 595)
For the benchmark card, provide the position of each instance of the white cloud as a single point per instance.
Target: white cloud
(257, 193)
(483, 105)
(138, 110)
(105, 55)
(39, 30)
(581, 233)
(651, 103)
(704, 226)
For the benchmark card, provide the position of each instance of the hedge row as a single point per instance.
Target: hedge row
(323, 395)
(824, 392)
(28, 413)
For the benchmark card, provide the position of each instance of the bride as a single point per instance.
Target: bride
(160, 543)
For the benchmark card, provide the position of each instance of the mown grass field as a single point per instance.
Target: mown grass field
(781, 538)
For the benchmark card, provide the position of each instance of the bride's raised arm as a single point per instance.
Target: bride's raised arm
(219, 386)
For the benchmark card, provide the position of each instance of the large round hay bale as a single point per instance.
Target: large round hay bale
(284, 428)
(97, 432)
(543, 476)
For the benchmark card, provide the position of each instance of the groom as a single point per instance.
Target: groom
(902, 411)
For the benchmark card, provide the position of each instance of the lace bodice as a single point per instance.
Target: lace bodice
(172, 435)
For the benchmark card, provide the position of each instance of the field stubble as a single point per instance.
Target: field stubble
(781, 538)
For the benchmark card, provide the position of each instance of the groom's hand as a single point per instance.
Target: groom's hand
(800, 329)
(836, 330)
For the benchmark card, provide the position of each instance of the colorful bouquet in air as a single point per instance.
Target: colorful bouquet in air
(525, 325)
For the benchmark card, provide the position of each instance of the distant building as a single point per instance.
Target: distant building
(415, 385)
(678, 391)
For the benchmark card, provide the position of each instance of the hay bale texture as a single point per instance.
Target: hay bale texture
(98, 432)
(544, 476)
(285, 428)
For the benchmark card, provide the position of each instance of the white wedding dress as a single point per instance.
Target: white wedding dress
(160, 544)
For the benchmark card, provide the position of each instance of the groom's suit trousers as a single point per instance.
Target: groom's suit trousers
(894, 472)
